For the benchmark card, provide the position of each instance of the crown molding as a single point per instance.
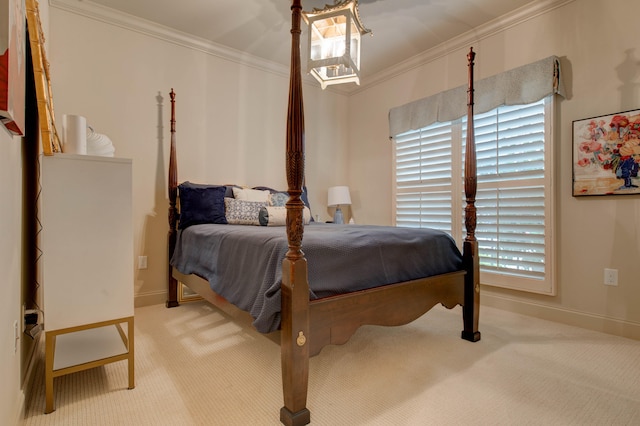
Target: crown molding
(114, 17)
(129, 22)
(462, 42)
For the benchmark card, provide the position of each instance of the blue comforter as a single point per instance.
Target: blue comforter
(244, 263)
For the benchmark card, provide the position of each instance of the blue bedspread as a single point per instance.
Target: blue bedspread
(244, 263)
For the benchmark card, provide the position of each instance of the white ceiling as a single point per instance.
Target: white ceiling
(401, 28)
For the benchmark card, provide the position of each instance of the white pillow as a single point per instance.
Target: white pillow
(247, 194)
(277, 216)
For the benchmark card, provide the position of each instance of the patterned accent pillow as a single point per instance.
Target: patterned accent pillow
(242, 212)
(278, 199)
(276, 202)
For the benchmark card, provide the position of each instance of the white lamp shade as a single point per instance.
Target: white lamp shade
(339, 196)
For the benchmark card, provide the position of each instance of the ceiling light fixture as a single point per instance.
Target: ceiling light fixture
(334, 42)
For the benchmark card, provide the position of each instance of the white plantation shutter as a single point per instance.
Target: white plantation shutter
(514, 226)
(423, 178)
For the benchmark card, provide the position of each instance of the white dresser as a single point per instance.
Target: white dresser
(87, 264)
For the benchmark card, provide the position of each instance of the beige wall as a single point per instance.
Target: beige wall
(231, 129)
(231, 119)
(227, 110)
(11, 396)
(13, 365)
(597, 43)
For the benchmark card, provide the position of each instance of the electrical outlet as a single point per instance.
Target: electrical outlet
(16, 336)
(142, 262)
(610, 277)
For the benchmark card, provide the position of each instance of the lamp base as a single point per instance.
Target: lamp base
(337, 216)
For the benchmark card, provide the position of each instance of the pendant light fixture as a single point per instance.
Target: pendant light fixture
(334, 42)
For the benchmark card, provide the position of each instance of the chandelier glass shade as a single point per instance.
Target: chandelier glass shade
(334, 43)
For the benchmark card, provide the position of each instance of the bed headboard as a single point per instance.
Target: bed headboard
(172, 299)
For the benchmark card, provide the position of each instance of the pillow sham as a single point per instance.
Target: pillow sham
(278, 199)
(305, 199)
(277, 216)
(201, 204)
(247, 194)
(278, 196)
(229, 192)
(242, 212)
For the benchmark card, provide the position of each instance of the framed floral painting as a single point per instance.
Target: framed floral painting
(606, 154)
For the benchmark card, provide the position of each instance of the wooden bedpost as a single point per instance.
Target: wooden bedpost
(471, 308)
(172, 296)
(294, 344)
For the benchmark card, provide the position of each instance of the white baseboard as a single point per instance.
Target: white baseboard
(19, 418)
(148, 299)
(589, 321)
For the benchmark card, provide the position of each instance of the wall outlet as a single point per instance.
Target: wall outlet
(610, 277)
(16, 336)
(142, 262)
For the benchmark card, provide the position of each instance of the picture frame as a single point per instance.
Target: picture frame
(606, 154)
(47, 123)
(12, 65)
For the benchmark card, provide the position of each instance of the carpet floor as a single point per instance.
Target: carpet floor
(198, 366)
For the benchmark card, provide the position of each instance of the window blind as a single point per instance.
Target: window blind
(514, 191)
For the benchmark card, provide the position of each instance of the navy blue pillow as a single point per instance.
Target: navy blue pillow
(201, 204)
(229, 193)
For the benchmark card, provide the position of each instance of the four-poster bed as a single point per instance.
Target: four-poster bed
(307, 324)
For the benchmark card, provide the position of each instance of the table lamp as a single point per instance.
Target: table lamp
(338, 196)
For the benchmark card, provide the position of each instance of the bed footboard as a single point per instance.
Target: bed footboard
(334, 319)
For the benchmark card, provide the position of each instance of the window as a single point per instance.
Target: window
(514, 199)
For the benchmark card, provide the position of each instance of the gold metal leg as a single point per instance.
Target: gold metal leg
(50, 348)
(131, 358)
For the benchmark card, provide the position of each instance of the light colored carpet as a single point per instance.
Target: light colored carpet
(194, 366)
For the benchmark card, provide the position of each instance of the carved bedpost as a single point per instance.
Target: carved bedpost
(471, 307)
(172, 297)
(295, 287)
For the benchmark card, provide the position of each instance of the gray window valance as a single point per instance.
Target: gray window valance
(522, 85)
